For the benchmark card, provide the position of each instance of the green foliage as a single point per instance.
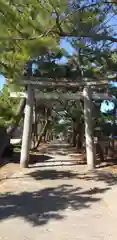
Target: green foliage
(60, 128)
(7, 107)
(29, 28)
(22, 20)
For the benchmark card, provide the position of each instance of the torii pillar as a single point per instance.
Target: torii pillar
(90, 149)
(27, 129)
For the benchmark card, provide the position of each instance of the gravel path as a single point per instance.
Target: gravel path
(57, 200)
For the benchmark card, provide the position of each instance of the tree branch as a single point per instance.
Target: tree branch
(62, 33)
(94, 36)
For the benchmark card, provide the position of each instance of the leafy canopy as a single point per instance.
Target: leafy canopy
(29, 28)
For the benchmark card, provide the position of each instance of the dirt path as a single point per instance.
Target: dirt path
(56, 199)
(9, 167)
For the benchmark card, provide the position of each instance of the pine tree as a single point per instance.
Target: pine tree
(28, 29)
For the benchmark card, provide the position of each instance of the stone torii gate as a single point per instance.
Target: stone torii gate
(86, 95)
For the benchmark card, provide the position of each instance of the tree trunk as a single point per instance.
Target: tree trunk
(34, 133)
(74, 136)
(80, 136)
(100, 152)
(79, 143)
(46, 136)
(19, 113)
(114, 126)
(43, 132)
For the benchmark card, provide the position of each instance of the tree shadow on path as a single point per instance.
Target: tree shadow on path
(39, 207)
(100, 176)
(53, 174)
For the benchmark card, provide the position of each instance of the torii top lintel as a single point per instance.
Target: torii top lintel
(62, 82)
